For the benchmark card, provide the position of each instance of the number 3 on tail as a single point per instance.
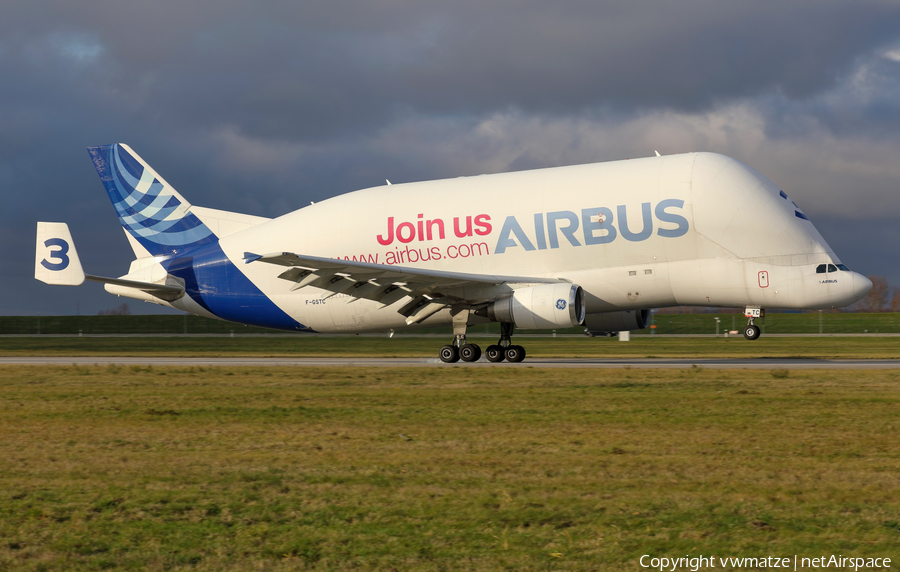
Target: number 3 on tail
(60, 254)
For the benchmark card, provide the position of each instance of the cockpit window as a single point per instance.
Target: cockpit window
(823, 268)
(820, 269)
(842, 267)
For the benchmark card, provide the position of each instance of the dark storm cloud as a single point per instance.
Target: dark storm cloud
(261, 107)
(866, 105)
(296, 70)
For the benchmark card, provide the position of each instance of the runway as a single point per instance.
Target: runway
(649, 363)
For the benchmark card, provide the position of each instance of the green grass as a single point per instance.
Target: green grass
(156, 324)
(305, 345)
(774, 323)
(779, 323)
(441, 469)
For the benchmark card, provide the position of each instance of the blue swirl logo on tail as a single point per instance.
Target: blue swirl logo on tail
(149, 208)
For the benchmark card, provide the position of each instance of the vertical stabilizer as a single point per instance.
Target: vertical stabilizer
(151, 211)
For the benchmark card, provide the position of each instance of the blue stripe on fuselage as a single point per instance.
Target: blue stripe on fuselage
(212, 281)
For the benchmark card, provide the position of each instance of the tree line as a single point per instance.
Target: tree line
(881, 298)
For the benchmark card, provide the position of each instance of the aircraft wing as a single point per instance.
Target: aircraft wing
(383, 283)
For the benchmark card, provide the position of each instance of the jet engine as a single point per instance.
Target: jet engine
(624, 321)
(543, 307)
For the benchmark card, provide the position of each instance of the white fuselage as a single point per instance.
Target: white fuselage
(695, 229)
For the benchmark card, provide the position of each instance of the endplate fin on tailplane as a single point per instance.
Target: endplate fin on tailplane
(384, 283)
(56, 261)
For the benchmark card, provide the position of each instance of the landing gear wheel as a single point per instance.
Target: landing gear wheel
(448, 354)
(470, 352)
(751, 331)
(515, 354)
(494, 353)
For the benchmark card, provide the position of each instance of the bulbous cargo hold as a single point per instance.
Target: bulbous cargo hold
(542, 307)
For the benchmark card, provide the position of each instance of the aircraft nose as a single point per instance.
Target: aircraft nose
(860, 286)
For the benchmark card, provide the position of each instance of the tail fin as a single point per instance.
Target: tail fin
(56, 260)
(154, 215)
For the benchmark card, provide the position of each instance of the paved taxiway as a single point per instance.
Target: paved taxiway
(660, 363)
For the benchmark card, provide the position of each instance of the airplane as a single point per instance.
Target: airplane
(596, 245)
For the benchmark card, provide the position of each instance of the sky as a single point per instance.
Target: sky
(261, 107)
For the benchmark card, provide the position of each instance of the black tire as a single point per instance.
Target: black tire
(494, 353)
(469, 352)
(515, 354)
(751, 332)
(449, 354)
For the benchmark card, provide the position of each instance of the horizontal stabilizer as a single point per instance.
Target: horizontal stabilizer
(169, 291)
(56, 262)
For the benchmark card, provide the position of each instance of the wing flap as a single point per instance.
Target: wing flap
(419, 288)
(391, 295)
(386, 271)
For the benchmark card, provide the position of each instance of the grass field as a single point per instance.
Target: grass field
(441, 468)
(774, 323)
(407, 346)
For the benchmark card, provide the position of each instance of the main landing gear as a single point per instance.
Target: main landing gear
(461, 349)
(504, 349)
(751, 330)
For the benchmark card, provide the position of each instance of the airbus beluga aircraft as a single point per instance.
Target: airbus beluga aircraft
(595, 245)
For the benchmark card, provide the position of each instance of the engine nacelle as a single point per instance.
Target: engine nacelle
(543, 307)
(623, 321)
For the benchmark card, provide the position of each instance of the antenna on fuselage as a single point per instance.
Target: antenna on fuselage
(657, 153)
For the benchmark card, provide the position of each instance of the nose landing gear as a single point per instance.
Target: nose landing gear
(751, 330)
